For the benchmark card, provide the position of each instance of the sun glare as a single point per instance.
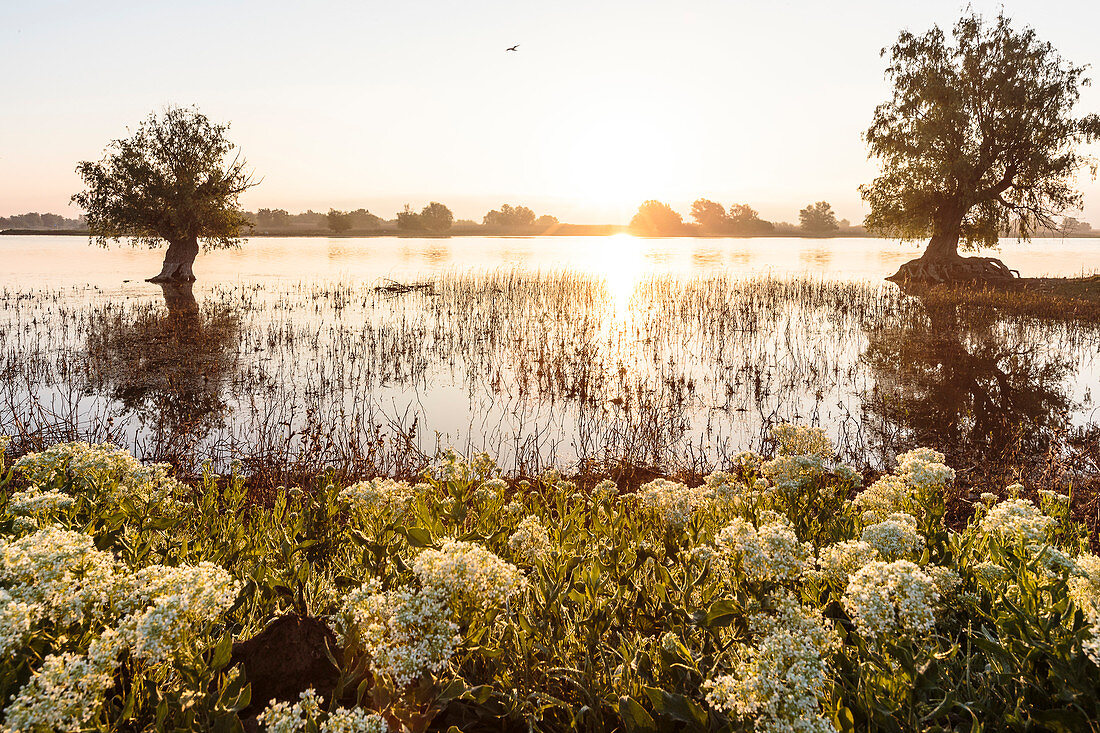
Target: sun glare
(622, 266)
(617, 161)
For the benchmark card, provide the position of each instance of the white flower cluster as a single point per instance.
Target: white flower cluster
(284, 717)
(59, 575)
(780, 681)
(1015, 520)
(164, 603)
(891, 599)
(406, 633)
(605, 491)
(468, 572)
(92, 468)
(837, 562)
(530, 541)
(453, 468)
(802, 440)
(491, 490)
(989, 574)
(1084, 591)
(770, 553)
(747, 461)
(947, 581)
(675, 503)
(34, 502)
(380, 497)
(885, 496)
(925, 470)
(920, 473)
(792, 472)
(65, 693)
(894, 537)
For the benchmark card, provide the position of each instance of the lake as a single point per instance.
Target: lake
(552, 351)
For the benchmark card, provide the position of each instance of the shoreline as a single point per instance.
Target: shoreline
(565, 230)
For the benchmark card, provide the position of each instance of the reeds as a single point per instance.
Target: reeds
(666, 375)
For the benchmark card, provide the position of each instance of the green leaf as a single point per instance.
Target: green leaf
(1063, 720)
(634, 716)
(223, 651)
(479, 694)
(677, 707)
(417, 536)
(722, 613)
(454, 689)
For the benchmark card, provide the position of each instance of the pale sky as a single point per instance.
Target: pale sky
(374, 104)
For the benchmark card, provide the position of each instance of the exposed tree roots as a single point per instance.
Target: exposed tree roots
(954, 269)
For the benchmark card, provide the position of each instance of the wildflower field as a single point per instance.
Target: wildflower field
(786, 593)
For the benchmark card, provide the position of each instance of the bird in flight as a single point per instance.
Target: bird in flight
(513, 48)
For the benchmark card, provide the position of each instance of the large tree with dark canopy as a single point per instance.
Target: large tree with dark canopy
(978, 138)
(175, 180)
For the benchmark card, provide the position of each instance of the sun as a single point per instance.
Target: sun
(618, 160)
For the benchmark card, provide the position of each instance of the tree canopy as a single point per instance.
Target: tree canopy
(173, 180)
(656, 218)
(978, 136)
(740, 219)
(338, 221)
(509, 216)
(435, 217)
(818, 218)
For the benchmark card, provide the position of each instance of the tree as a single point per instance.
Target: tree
(818, 218)
(408, 220)
(270, 219)
(977, 137)
(171, 181)
(743, 219)
(435, 217)
(363, 219)
(710, 215)
(509, 216)
(655, 218)
(338, 221)
(546, 221)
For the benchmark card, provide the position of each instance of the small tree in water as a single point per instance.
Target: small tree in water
(171, 181)
(977, 139)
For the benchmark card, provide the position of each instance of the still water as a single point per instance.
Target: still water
(52, 261)
(543, 351)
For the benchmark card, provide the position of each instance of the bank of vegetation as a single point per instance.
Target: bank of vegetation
(786, 593)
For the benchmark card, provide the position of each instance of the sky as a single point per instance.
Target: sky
(377, 104)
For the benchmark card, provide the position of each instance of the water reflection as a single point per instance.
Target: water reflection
(170, 369)
(983, 391)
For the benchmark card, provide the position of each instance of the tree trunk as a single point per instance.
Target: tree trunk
(941, 262)
(178, 260)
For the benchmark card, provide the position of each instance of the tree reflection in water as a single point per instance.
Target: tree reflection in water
(969, 383)
(169, 368)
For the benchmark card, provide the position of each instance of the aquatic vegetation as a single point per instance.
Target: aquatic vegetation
(543, 369)
(777, 593)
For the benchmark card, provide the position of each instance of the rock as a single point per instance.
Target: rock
(284, 659)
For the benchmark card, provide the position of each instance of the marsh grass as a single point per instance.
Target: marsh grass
(663, 376)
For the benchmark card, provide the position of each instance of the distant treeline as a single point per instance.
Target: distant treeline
(433, 218)
(654, 218)
(34, 220)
